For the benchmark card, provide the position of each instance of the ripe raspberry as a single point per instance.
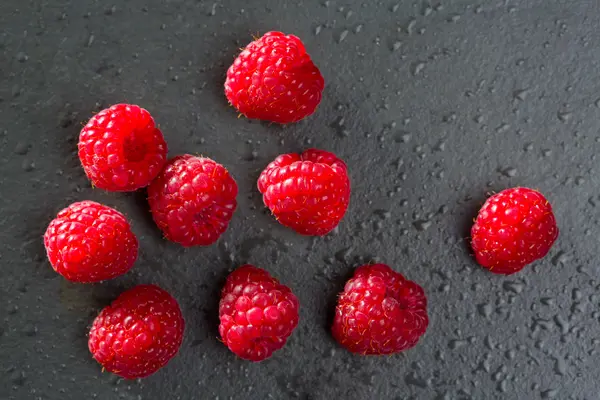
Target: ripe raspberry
(307, 192)
(380, 312)
(90, 242)
(514, 228)
(121, 149)
(138, 333)
(193, 200)
(274, 79)
(257, 313)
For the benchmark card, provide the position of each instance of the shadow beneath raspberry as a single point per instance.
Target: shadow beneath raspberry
(338, 281)
(87, 300)
(141, 217)
(470, 207)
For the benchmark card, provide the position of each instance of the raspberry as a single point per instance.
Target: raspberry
(121, 149)
(257, 313)
(274, 79)
(193, 200)
(513, 228)
(90, 242)
(307, 192)
(380, 312)
(138, 333)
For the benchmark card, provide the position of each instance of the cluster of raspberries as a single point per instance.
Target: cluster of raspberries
(192, 200)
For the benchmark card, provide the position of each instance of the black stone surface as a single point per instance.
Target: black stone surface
(432, 104)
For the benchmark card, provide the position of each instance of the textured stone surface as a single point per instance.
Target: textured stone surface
(432, 105)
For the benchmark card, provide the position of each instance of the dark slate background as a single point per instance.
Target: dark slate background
(433, 105)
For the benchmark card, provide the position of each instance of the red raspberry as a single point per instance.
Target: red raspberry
(121, 149)
(274, 79)
(257, 313)
(380, 312)
(193, 200)
(307, 192)
(138, 333)
(514, 228)
(90, 242)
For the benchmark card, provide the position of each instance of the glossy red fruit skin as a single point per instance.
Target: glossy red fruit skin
(138, 333)
(121, 149)
(90, 242)
(380, 312)
(307, 192)
(513, 229)
(192, 200)
(274, 79)
(257, 313)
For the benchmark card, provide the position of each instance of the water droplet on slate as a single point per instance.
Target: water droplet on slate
(358, 28)
(520, 94)
(502, 128)
(560, 367)
(21, 148)
(514, 287)
(90, 40)
(28, 166)
(549, 394)
(396, 46)
(22, 57)
(564, 116)
(560, 258)
(485, 309)
(411, 25)
(343, 36)
(456, 343)
(417, 68)
(422, 225)
(509, 172)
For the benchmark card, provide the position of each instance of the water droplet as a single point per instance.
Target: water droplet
(111, 11)
(521, 94)
(440, 146)
(28, 166)
(402, 137)
(514, 287)
(422, 225)
(509, 172)
(414, 380)
(343, 36)
(485, 309)
(417, 68)
(318, 29)
(502, 128)
(456, 343)
(396, 46)
(411, 26)
(560, 258)
(549, 394)
(21, 148)
(213, 10)
(564, 116)
(22, 57)
(90, 40)
(560, 367)
(454, 18)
